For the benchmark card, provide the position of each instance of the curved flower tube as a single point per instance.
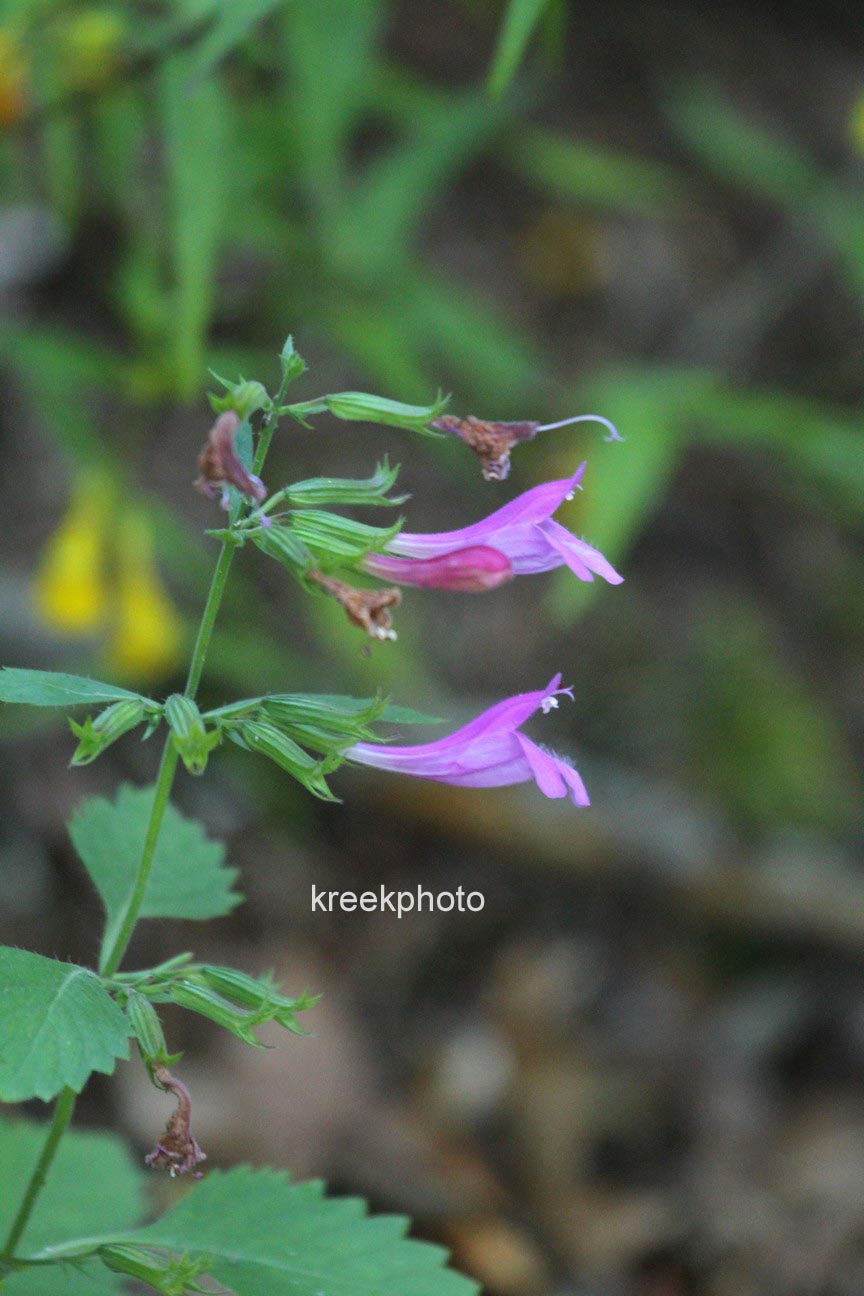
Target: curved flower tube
(468, 570)
(488, 752)
(523, 531)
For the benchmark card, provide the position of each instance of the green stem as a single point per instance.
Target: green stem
(112, 959)
(164, 782)
(62, 1116)
(208, 617)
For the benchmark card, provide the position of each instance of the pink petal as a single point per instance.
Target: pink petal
(532, 506)
(578, 555)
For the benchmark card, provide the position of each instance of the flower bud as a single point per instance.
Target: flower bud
(470, 570)
(293, 365)
(244, 398)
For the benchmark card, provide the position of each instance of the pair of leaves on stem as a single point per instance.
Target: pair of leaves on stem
(58, 1022)
(249, 1232)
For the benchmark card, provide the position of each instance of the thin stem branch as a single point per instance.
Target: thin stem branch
(62, 1116)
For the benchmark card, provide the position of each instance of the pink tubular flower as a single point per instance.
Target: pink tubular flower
(469, 570)
(523, 531)
(488, 752)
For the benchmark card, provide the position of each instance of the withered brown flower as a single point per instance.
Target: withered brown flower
(220, 465)
(178, 1150)
(366, 608)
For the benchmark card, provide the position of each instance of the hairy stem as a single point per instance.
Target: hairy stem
(112, 959)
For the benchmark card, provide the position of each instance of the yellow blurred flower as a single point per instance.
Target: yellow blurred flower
(98, 576)
(71, 592)
(90, 47)
(147, 633)
(14, 68)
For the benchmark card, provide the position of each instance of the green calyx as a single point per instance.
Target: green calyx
(188, 733)
(112, 723)
(364, 408)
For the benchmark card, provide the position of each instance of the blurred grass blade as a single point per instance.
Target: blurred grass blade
(329, 50)
(196, 127)
(739, 149)
(590, 173)
(399, 189)
(519, 23)
(233, 21)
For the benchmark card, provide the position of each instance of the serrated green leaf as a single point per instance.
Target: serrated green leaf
(188, 880)
(57, 1025)
(54, 688)
(268, 1236)
(93, 1187)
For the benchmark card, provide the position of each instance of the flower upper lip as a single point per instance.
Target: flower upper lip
(524, 532)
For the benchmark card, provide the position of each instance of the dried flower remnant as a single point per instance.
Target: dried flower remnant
(221, 467)
(366, 608)
(177, 1151)
(492, 442)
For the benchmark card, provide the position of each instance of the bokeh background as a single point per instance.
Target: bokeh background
(640, 1071)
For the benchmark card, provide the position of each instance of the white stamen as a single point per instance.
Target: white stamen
(614, 434)
(571, 495)
(548, 704)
